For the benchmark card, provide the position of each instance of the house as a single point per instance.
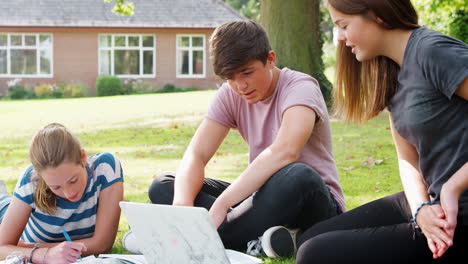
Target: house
(62, 41)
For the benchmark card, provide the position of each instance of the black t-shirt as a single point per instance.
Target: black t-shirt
(427, 112)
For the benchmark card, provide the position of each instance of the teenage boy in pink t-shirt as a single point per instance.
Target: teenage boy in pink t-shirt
(291, 181)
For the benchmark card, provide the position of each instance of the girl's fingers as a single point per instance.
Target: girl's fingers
(443, 235)
(440, 245)
(432, 246)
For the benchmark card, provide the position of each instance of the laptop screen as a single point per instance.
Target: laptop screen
(175, 234)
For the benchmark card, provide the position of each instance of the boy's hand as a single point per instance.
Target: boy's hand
(449, 202)
(218, 213)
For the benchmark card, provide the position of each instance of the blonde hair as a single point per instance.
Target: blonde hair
(364, 89)
(50, 147)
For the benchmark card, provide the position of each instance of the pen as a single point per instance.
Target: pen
(67, 237)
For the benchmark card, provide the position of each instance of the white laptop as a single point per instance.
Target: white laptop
(176, 234)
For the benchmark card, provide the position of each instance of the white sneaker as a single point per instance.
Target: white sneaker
(130, 243)
(279, 242)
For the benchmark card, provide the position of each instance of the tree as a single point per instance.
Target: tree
(447, 16)
(294, 31)
(248, 8)
(122, 7)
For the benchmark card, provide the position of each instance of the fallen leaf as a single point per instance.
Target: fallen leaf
(369, 162)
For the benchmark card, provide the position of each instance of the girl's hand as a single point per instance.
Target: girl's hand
(65, 252)
(432, 221)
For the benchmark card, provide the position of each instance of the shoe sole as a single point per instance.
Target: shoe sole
(280, 244)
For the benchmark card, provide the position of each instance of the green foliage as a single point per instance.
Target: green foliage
(170, 88)
(20, 92)
(58, 91)
(447, 16)
(43, 91)
(107, 85)
(75, 90)
(248, 8)
(458, 28)
(137, 86)
(122, 7)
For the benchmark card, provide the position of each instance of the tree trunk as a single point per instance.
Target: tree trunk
(293, 28)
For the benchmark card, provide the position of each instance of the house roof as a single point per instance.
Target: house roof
(97, 13)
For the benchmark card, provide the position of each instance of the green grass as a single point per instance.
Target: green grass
(149, 134)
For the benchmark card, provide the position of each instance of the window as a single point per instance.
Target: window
(127, 55)
(190, 56)
(25, 55)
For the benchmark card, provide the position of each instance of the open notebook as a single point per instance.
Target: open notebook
(234, 257)
(176, 234)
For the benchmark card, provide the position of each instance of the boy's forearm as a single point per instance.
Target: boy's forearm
(459, 181)
(188, 182)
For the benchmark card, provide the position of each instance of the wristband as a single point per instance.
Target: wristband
(36, 246)
(417, 211)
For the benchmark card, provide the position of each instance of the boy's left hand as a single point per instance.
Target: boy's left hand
(218, 213)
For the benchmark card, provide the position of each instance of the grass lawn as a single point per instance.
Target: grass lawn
(149, 133)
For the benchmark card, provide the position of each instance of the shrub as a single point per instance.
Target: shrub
(20, 92)
(170, 88)
(128, 85)
(74, 90)
(58, 90)
(190, 89)
(108, 85)
(43, 91)
(137, 86)
(141, 87)
(167, 88)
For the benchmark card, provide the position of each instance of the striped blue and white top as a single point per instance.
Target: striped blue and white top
(77, 218)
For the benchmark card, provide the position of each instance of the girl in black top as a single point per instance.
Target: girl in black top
(386, 60)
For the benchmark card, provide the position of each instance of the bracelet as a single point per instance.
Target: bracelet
(45, 256)
(417, 211)
(36, 246)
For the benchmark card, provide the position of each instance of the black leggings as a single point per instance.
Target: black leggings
(377, 232)
(295, 196)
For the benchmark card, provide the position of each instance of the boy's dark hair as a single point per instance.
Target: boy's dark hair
(236, 43)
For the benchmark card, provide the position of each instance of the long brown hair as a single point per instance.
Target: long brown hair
(363, 89)
(50, 147)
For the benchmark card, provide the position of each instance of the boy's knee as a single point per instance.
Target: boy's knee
(302, 176)
(161, 190)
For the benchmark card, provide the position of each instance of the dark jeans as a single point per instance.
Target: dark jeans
(377, 232)
(295, 196)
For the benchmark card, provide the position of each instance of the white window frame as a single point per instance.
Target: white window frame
(38, 49)
(140, 48)
(190, 49)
